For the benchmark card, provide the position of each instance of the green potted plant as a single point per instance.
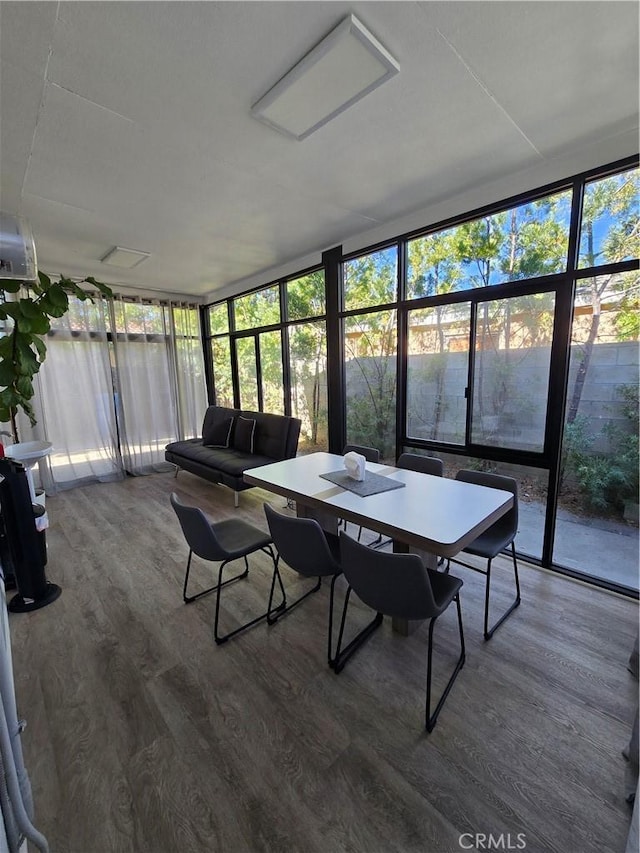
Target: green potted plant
(22, 348)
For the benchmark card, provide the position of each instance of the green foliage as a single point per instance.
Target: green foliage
(370, 350)
(575, 446)
(260, 308)
(606, 480)
(371, 279)
(22, 349)
(306, 296)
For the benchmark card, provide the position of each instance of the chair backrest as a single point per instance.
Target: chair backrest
(301, 543)
(394, 584)
(423, 464)
(508, 522)
(198, 531)
(371, 454)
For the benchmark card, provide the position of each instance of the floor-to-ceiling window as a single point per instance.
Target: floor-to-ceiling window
(307, 357)
(598, 498)
(370, 350)
(505, 339)
(268, 353)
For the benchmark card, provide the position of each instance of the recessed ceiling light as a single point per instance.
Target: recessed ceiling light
(127, 258)
(344, 67)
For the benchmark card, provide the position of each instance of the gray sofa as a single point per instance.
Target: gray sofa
(232, 441)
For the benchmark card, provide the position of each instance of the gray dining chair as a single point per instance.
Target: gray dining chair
(423, 464)
(223, 542)
(498, 538)
(398, 585)
(371, 454)
(305, 547)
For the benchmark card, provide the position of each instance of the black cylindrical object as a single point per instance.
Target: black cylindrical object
(26, 545)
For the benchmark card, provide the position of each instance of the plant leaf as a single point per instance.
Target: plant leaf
(7, 373)
(24, 386)
(40, 346)
(78, 291)
(57, 297)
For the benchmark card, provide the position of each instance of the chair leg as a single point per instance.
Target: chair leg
(223, 639)
(343, 655)
(330, 658)
(488, 632)
(283, 608)
(430, 719)
(189, 598)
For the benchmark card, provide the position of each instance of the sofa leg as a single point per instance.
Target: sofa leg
(236, 496)
(176, 474)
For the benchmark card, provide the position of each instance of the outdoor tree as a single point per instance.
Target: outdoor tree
(308, 355)
(527, 241)
(610, 232)
(370, 351)
(433, 269)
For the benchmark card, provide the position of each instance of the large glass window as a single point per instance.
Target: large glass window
(218, 319)
(521, 243)
(477, 362)
(247, 373)
(270, 344)
(610, 227)
(599, 473)
(260, 308)
(192, 399)
(308, 369)
(371, 279)
(306, 296)
(370, 380)
(223, 380)
(511, 371)
(437, 372)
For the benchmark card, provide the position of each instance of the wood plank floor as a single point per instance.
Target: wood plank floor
(143, 735)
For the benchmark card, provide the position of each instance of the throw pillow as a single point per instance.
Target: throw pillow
(219, 434)
(243, 437)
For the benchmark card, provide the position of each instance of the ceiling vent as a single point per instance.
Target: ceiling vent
(124, 258)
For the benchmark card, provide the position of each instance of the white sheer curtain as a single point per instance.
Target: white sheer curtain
(121, 380)
(189, 363)
(75, 402)
(147, 410)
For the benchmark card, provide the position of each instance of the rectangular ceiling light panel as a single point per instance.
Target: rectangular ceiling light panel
(346, 65)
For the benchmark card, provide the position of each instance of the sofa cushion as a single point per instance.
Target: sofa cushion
(244, 434)
(229, 461)
(214, 415)
(271, 434)
(236, 463)
(218, 433)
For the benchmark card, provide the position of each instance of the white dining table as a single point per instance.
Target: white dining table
(435, 516)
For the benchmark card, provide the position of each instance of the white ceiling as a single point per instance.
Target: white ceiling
(127, 123)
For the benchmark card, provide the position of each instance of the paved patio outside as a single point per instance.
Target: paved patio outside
(599, 547)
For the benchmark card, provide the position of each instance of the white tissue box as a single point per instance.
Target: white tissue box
(355, 465)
